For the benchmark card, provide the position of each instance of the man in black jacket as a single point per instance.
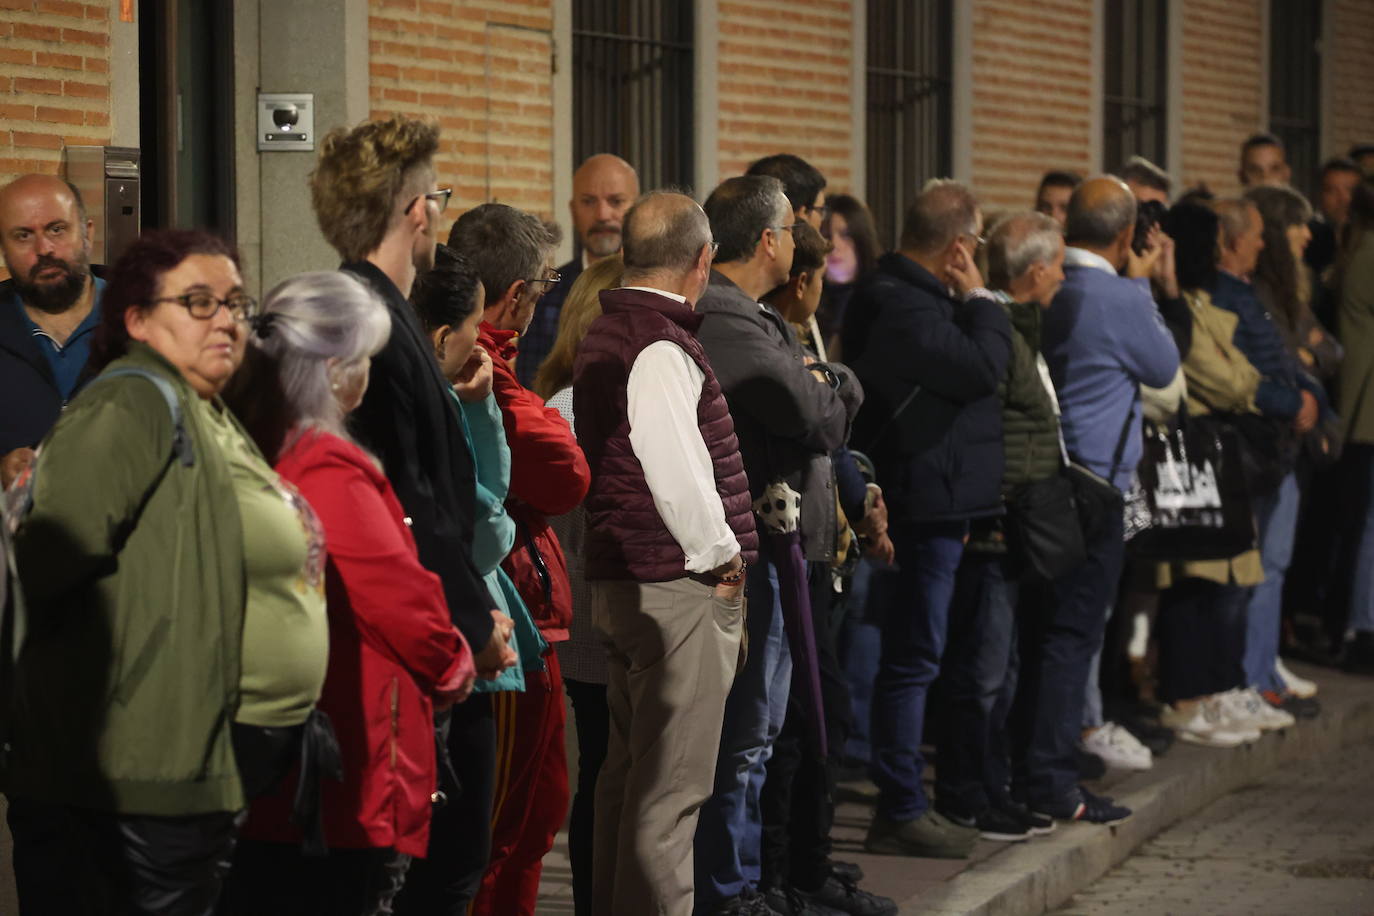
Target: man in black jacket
(409, 421)
(49, 308)
(930, 346)
(788, 419)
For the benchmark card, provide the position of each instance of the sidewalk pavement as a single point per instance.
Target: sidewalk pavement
(1033, 877)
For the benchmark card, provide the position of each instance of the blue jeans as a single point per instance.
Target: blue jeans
(730, 828)
(913, 643)
(1059, 640)
(978, 664)
(1276, 515)
(1362, 588)
(871, 592)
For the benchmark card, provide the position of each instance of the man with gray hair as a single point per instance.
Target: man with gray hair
(788, 420)
(930, 345)
(1103, 339)
(1025, 270)
(669, 534)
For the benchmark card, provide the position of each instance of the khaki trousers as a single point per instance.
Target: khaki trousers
(673, 648)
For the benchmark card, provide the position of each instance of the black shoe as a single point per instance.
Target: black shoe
(837, 896)
(1359, 654)
(1082, 805)
(1151, 734)
(992, 823)
(785, 900)
(846, 871)
(1037, 824)
(1090, 766)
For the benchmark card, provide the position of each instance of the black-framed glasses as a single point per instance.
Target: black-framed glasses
(439, 196)
(548, 282)
(201, 304)
(823, 210)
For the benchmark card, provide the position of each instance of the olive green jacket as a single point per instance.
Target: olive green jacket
(127, 677)
(1030, 428)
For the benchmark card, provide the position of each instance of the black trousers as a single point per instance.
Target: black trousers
(278, 878)
(76, 862)
(592, 719)
(1201, 628)
(797, 803)
(445, 882)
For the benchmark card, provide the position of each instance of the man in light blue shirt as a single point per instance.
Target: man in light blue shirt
(49, 307)
(1103, 338)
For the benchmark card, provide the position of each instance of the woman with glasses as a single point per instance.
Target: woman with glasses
(394, 652)
(175, 641)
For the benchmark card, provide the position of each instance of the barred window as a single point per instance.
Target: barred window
(633, 85)
(1135, 90)
(909, 99)
(1295, 28)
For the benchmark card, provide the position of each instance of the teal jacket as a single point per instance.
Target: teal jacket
(493, 535)
(127, 677)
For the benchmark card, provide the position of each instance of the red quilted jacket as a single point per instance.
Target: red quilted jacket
(549, 476)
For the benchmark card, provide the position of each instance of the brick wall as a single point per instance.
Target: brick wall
(483, 69)
(1032, 69)
(1350, 65)
(1222, 89)
(54, 82)
(784, 84)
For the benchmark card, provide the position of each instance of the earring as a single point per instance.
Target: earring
(334, 386)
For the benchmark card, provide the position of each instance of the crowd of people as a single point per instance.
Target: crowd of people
(295, 589)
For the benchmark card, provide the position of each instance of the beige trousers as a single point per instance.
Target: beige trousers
(673, 648)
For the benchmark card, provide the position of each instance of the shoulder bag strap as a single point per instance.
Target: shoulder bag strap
(892, 420)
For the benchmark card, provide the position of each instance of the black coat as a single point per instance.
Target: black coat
(409, 421)
(941, 458)
(31, 401)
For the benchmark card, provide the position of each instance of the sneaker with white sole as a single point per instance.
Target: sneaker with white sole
(1117, 747)
(1200, 726)
(1249, 706)
(1233, 720)
(1298, 686)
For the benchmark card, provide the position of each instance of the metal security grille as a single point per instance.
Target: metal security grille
(1295, 28)
(632, 85)
(909, 86)
(1135, 93)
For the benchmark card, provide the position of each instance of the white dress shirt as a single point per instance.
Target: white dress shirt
(662, 395)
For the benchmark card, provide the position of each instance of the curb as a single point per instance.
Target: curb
(1030, 878)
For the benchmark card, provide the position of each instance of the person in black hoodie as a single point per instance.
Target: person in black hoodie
(930, 346)
(374, 197)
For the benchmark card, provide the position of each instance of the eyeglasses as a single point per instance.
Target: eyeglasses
(823, 210)
(204, 306)
(440, 198)
(784, 228)
(715, 246)
(548, 282)
(978, 240)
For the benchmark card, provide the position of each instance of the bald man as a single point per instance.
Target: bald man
(670, 532)
(604, 187)
(1103, 338)
(49, 308)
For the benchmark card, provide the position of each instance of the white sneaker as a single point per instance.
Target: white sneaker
(1117, 748)
(1231, 718)
(1265, 717)
(1202, 726)
(1298, 686)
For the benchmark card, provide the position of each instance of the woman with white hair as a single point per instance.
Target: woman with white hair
(394, 653)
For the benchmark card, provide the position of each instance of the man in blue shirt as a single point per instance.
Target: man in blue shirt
(49, 308)
(1103, 338)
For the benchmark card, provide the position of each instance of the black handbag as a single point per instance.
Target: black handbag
(1193, 501)
(1044, 530)
(1099, 502)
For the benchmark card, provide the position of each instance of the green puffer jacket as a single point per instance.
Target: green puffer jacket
(1030, 428)
(127, 679)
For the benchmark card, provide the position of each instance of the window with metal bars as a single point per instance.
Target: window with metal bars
(909, 87)
(1135, 83)
(1295, 28)
(633, 85)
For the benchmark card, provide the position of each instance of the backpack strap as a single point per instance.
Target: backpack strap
(181, 439)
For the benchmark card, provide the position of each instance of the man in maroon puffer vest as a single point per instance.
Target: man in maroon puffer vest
(669, 533)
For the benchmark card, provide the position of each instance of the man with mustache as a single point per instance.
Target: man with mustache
(604, 187)
(49, 308)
